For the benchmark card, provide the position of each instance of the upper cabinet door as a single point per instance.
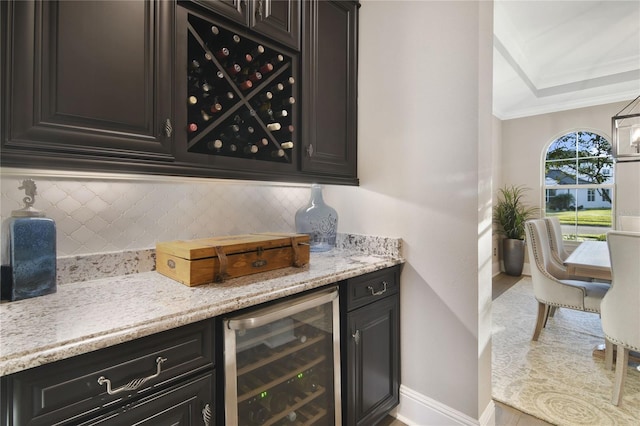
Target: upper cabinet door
(87, 79)
(329, 88)
(236, 10)
(277, 19)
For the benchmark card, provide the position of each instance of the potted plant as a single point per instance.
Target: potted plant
(510, 213)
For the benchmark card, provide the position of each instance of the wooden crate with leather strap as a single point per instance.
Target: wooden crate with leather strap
(207, 260)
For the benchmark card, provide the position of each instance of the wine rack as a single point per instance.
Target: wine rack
(241, 96)
(283, 373)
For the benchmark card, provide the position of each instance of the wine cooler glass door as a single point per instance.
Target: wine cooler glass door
(282, 363)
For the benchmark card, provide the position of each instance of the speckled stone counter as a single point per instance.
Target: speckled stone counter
(94, 314)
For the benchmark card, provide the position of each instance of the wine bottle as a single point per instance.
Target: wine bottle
(215, 30)
(274, 126)
(255, 77)
(277, 88)
(192, 100)
(258, 50)
(264, 141)
(245, 85)
(280, 113)
(287, 145)
(279, 153)
(215, 145)
(194, 65)
(308, 381)
(222, 53)
(234, 69)
(206, 87)
(266, 96)
(285, 102)
(192, 128)
(289, 81)
(251, 149)
(275, 402)
(257, 414)
(266, 68)
(205, 115)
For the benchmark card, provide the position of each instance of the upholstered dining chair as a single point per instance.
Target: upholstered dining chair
(629, 223)
(558, 252)
(620, 308)
(553, 292)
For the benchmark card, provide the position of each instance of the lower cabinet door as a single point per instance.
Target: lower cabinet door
(373, 365)
(188, 404)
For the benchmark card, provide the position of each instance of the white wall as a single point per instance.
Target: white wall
(524, 141)
(424, 166)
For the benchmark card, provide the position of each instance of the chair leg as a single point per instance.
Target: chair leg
(552, 311)
(622, 360)
(543, 312)
(608, 354)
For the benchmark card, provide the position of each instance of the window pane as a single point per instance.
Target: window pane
(593, 145)
(561, 172)
(562, 148)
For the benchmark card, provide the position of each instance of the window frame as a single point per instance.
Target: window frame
(573, 188)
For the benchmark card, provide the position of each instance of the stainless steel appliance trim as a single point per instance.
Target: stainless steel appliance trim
(269, 314)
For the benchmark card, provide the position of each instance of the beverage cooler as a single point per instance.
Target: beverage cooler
(282, 363)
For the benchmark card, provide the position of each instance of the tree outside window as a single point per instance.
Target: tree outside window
(578, 166)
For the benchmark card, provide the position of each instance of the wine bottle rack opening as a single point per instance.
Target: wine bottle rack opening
(241, 95)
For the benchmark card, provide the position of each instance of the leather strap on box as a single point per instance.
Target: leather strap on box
(224, 263)
(296, 253)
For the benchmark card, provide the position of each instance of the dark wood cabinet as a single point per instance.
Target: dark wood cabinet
(86, 82)
(166, 378)
(277, 19)
(329, 87)
(370, 346)
(102, 86)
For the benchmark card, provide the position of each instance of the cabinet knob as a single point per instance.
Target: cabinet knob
(168, 128)
(206, 415)
(310, 150)
(356, 337)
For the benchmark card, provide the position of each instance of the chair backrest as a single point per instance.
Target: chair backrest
(620, 308)
(558, 254)
(547, 288)
(555, 238)
(629, 223)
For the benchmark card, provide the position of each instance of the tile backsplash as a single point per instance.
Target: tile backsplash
(98, 215)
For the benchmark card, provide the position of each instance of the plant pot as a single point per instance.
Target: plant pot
(513, 256)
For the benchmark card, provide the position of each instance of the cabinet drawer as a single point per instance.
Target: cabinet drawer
(371, 287)
(68, 390)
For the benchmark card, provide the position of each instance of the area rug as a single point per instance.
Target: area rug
(556, 379)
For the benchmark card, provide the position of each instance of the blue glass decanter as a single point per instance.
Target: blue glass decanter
(318, 220)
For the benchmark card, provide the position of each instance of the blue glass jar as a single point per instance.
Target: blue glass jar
(28, 251)
(318, 220)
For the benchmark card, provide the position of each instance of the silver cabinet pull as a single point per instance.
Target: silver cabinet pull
(378, 293)
(356, 337)
(206, 415)
(310, 150)
(168, 128)
(135, 383)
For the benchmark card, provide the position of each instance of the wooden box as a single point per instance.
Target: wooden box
(215, 259)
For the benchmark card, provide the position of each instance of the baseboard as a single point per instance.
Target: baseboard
(416, 409)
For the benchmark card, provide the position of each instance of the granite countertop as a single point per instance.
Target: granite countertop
(85, 316)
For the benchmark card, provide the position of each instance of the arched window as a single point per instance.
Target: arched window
(578, 184)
